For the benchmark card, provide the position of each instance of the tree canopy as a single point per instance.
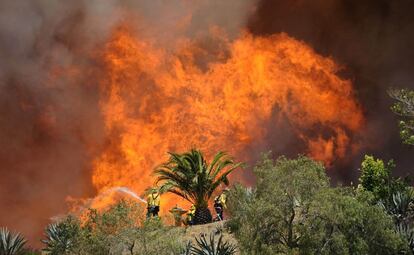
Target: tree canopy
(191, 177)
(293, 210)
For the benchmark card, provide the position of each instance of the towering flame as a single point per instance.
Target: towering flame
(215, 94)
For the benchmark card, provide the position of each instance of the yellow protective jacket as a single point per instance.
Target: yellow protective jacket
(153, 199)
(191, 212)
(222, 199)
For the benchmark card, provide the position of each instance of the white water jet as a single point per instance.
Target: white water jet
(124, 190)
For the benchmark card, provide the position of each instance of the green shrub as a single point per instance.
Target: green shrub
(11, 244)
(113, 229)
(376, 178)
(62, 237)
(338, 221)
(120, 229)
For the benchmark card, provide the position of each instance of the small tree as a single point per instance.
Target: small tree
(404, 107)
(267, 220)
(376, 178)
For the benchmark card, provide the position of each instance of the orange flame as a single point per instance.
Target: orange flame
(215, 94)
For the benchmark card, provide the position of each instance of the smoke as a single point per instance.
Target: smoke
(48, 121)
(373, 40)
(51, 127)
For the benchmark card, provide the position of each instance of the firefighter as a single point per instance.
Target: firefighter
(220, 204)
(190, 215)
(153, 203)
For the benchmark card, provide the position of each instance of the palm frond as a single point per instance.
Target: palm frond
(190, 176)
(216, 159)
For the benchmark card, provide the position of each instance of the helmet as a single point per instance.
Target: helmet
(151, 190)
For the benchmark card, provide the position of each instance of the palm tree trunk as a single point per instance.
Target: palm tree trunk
(202, 216)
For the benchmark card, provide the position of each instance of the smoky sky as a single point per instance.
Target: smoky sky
(51, 126)
(373, 40)
(47, 121)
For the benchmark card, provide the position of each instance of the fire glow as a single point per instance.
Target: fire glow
(220, 95)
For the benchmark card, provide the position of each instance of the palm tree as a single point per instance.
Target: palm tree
(189, 176)
(11, 244)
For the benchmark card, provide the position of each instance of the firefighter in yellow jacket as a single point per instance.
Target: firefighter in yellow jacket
(153, 203)
(190, 215)
(220, 204)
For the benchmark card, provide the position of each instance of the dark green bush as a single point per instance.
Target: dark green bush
(293, 210)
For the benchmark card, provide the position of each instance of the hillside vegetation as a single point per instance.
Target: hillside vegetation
(293, 209)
